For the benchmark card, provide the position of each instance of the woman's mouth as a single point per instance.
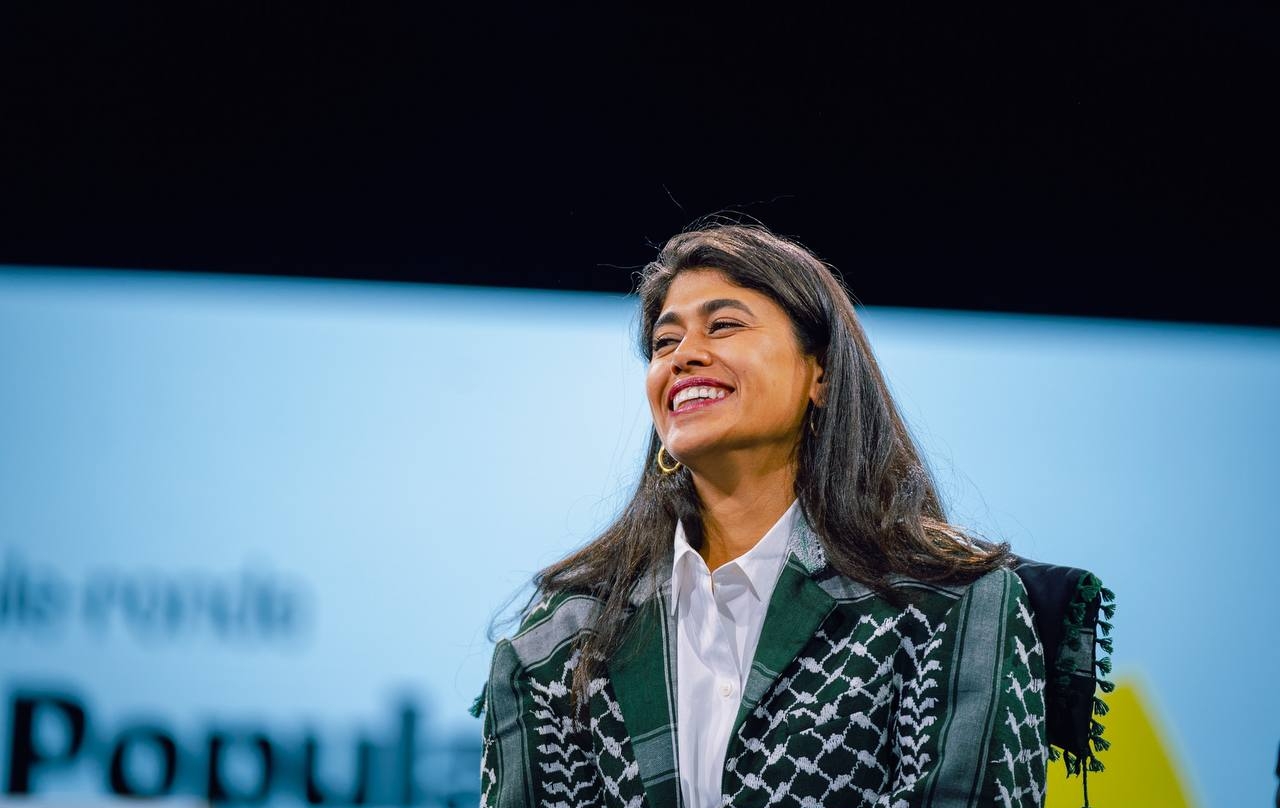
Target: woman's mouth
(697, 398)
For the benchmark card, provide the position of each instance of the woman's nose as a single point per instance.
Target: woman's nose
(690, 351)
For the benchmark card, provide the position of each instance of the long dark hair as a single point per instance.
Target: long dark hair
(860, 479)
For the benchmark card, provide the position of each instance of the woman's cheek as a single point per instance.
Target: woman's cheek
(659, 416)
(653, 392)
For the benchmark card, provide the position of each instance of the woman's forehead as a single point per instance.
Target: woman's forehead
(693, 288)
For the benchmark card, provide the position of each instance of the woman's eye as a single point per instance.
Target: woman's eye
(718, 324)
(662, 342)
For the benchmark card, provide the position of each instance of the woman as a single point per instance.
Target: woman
(781, 614)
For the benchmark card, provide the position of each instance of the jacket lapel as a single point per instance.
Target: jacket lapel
(643, 674)
(796, 610)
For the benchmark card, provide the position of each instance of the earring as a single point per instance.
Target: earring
(665, 469)
(813, 427)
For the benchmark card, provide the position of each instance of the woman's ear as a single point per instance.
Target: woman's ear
(818, 390)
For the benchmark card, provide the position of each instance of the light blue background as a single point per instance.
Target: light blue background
(408, 456)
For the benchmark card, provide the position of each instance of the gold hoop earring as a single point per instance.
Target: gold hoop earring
(665, 469)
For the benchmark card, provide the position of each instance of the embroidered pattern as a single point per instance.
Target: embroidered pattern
(564, 766)
(855, 720)
(832, 727)
(618, 768)
(488, 766)
(1020, 769)
(573, 764)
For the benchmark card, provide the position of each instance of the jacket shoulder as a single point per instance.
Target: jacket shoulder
(928, 597)
(551, 625)
(990, 595)
(998, 600)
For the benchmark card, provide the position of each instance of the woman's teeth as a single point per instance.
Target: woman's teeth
(697, 392)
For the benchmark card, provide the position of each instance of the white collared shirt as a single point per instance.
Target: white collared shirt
(718, 620)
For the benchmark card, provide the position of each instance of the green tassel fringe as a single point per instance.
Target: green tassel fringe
(1071, 762)
(1087, 590)
(477, 706)
(1073, 635)
(1089, 587)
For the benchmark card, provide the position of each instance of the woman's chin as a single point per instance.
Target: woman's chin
(696, 454)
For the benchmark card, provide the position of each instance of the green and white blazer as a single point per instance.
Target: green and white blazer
(851, 701)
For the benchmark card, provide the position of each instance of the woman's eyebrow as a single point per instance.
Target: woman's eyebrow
(707, 308)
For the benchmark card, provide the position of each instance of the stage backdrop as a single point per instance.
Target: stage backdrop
(252, 531)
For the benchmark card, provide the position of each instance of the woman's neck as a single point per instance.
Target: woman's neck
(737, 514)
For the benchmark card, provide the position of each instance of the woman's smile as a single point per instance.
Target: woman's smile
(697, 398)
(696, 392)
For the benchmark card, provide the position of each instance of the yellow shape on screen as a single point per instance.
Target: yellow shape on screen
(1141, 768)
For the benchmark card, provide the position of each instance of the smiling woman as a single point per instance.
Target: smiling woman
(782, 613)
(729, 386)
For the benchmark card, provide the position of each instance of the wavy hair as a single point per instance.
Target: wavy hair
(860, 480)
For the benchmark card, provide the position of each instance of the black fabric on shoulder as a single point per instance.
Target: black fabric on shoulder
(1066, 609)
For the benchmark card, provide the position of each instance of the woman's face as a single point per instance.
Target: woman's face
(727, 374)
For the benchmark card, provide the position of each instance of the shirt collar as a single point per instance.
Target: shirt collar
(681, 566)
(761, 564)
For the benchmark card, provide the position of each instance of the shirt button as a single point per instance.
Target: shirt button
(726, 689)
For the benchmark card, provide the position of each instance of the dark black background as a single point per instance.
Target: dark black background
(1093, 158)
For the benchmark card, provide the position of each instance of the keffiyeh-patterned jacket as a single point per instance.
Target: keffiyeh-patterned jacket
(851, 701)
